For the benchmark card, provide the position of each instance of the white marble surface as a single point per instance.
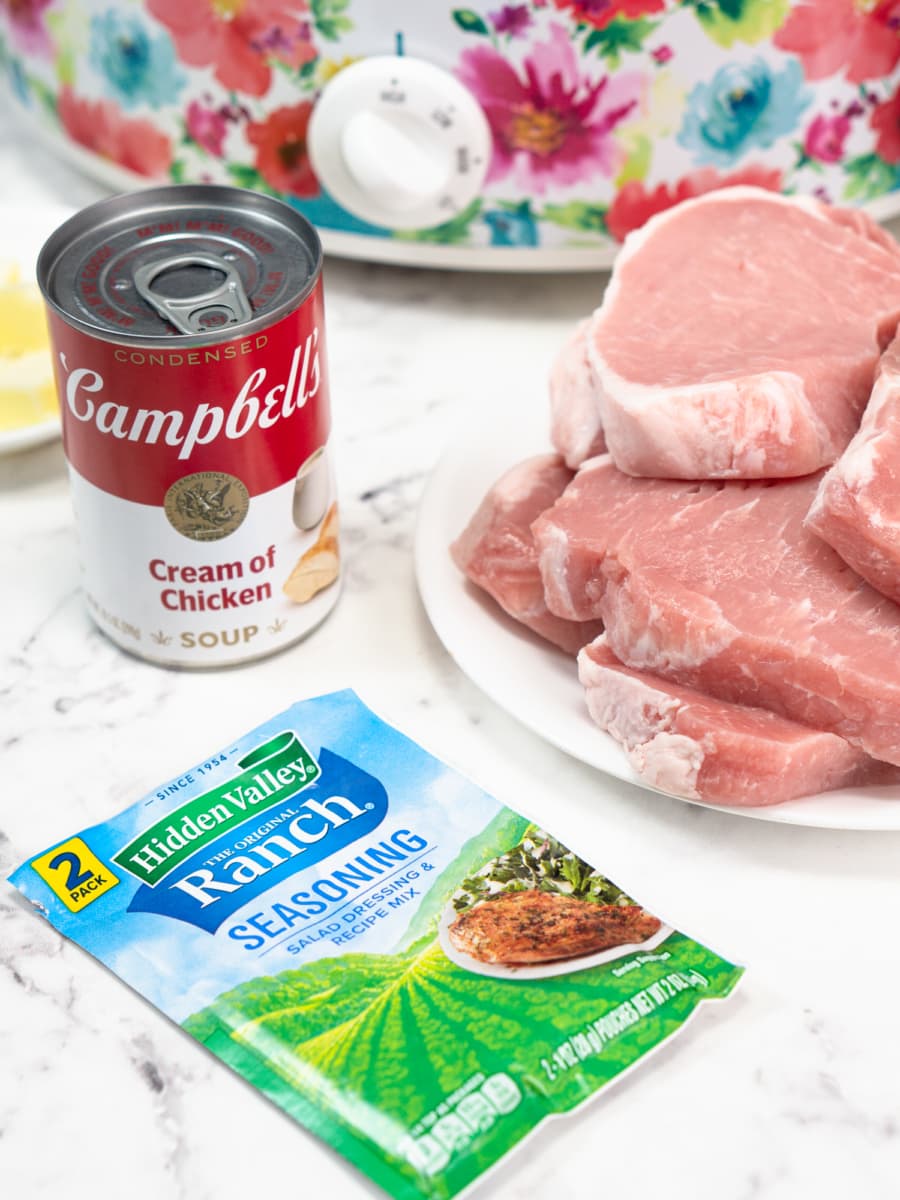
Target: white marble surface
(788, 1091)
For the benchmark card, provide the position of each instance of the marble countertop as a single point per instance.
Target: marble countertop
(789, 1090)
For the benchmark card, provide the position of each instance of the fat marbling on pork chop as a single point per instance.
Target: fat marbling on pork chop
(518, 928)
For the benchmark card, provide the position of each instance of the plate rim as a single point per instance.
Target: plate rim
(27, 437)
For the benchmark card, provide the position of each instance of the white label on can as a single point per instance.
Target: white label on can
(187, 602)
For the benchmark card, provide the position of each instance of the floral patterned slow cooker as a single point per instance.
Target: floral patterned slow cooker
(559, 124)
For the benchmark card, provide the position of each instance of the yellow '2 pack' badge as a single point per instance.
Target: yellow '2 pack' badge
(75, 873)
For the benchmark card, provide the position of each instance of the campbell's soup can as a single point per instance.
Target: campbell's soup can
(188, 338)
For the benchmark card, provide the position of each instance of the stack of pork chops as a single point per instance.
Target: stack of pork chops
(718, 534)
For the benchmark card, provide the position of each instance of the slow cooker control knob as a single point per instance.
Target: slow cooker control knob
(399, 142)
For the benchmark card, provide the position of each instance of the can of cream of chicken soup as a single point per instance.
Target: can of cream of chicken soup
(188, 339)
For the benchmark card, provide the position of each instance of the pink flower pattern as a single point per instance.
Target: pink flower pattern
(601, 13)
(825, 138)
(207, 126)
(550, 124)
(834, 35)
(27, 27)
(99, 125)
(238, 38)
(886, 124)
(635, 204)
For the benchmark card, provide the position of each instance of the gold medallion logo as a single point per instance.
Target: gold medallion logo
(207, 506)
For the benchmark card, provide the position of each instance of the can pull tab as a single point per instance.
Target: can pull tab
(182, 303)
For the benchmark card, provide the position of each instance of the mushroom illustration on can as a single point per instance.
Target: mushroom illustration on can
(319, 566)
(312, 491)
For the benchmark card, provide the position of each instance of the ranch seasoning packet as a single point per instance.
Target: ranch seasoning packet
(416, 973)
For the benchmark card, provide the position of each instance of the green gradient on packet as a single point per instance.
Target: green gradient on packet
(316, 947)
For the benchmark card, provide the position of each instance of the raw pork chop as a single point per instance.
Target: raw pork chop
(691, 745)
(533, 927)
(739, 336)
(857, 507)
(720, 587)
(496, 550)
(575, 428)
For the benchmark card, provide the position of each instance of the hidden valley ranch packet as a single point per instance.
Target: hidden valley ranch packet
(414, 972)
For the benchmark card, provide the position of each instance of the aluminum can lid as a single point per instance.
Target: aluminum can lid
(195, 263)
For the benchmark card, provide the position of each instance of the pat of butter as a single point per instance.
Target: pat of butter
(27, 392)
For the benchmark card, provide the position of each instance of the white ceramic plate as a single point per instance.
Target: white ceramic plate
(523, 674)
(23, 230)
(566, 966)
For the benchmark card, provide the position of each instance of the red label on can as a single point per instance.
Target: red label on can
(136, 420)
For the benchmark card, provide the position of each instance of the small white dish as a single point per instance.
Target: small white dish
(23, 231)
(12, 441)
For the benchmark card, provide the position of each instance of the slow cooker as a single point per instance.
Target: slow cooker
(503, 136)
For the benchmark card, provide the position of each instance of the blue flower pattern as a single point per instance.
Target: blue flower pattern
(19, 81)
(512, 227)
(744, 105)
(137, 68)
